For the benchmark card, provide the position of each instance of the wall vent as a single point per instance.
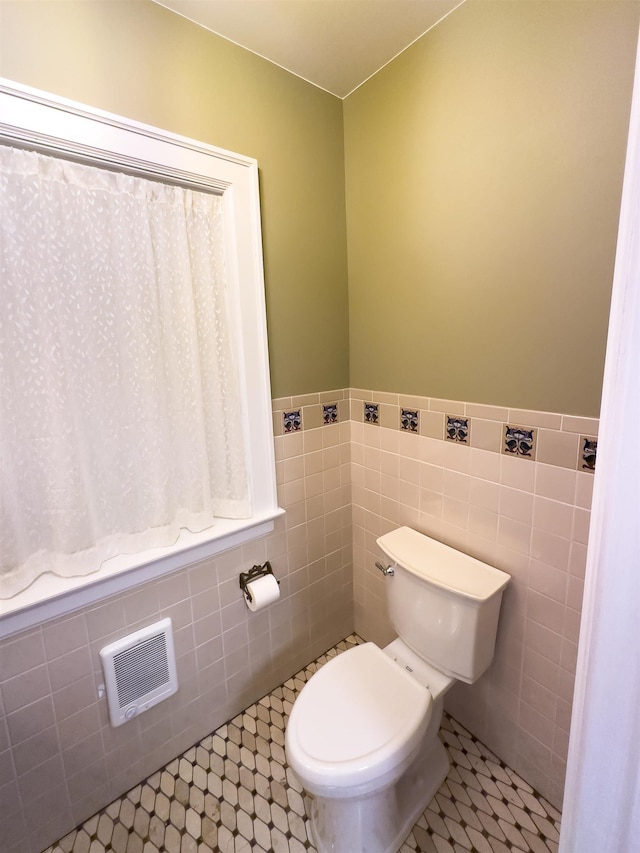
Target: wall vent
(139, 671)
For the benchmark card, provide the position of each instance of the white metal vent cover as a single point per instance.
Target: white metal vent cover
(139, 671)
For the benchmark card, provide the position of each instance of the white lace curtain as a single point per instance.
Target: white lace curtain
(120, 415)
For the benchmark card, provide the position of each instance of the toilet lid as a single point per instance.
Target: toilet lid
(359, 716)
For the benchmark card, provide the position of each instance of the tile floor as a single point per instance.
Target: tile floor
(233, 792)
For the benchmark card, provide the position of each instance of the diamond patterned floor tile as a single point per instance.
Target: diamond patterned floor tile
(234, 793)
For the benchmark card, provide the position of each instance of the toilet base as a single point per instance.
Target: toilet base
(379, 823)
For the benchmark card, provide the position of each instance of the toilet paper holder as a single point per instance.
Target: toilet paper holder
(252, 574)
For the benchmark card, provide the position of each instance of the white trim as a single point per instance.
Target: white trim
(601, 812)
(45, 122)
(50, 597)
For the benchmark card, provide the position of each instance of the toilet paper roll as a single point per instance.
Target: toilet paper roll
(262, 592)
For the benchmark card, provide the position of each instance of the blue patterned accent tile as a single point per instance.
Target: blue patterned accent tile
(292, 421)
(457, 429)
(330, 413)
(409, 420)
(520, 441)
(588, 452)
(371, 413)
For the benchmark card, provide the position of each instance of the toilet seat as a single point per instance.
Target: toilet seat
(356, 720)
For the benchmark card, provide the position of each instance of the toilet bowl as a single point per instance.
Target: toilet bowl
(355, 731)
(360, 723)
(362, 735)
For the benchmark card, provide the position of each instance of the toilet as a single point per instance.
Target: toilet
(362, 736)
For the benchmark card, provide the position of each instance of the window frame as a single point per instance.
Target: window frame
(45, 122)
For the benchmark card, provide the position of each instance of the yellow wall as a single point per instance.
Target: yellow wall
(136, 59)
(483, 172)
(483, 176)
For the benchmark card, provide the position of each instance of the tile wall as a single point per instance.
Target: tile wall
(60, 760)
(350, 466)
(510, 487)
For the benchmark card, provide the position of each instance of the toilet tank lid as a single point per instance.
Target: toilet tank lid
(441, 565)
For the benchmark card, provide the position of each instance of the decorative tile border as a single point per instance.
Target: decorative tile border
(563, 441)
(519, 441)
(457, 429)
(588, 453)
(292, 421)
(410, 420)
(330, 413)
(372, 413)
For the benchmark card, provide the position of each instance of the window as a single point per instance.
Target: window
(197, 188)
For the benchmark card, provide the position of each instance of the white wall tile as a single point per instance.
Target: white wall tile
(485, 465)
(552, 516)
(529, 519)
(556, 483)
(343, 486)
(584, 489)
(516, 504)
(517, 473)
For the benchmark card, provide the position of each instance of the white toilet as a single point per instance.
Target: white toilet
(363, 733)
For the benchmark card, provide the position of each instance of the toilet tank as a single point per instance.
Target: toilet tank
(443, 604)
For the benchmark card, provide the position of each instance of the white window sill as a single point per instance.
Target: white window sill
(51, 596)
